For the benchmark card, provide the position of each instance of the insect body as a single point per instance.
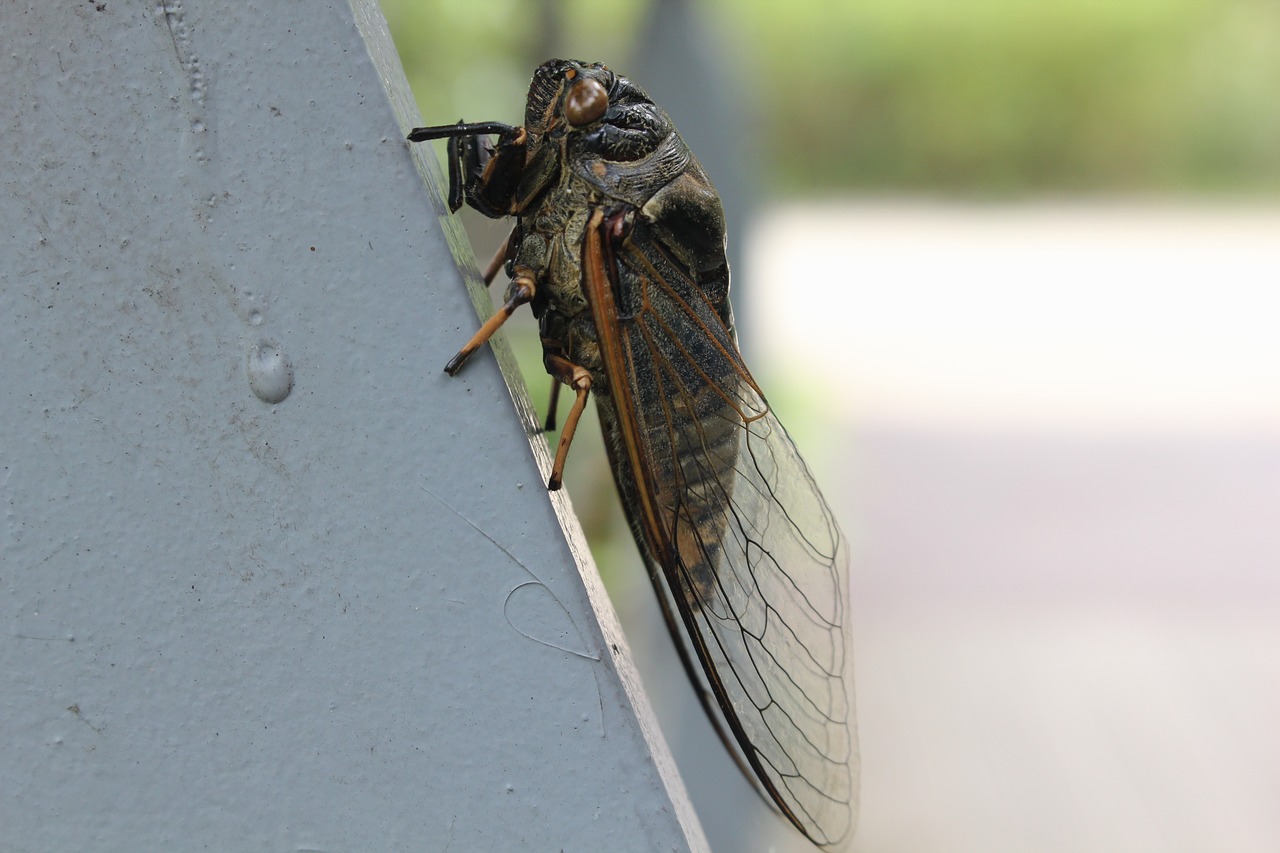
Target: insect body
(618, 247)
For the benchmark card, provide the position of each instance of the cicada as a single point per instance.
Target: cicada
(619, 249)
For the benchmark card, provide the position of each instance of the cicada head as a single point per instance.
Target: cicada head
(602, 114)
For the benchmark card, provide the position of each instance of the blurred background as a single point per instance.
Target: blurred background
(1010, 273)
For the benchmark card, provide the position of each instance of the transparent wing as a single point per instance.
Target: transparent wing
(720, 498)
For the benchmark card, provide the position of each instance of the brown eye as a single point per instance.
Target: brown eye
(586, 102)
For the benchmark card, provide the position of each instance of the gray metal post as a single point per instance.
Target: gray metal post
(268, 578)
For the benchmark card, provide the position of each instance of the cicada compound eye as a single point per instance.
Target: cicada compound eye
(586, 102)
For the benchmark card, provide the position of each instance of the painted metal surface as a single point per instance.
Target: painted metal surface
(269, 579)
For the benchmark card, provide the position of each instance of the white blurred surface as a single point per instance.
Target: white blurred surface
(1061, 473)
(1104, 316)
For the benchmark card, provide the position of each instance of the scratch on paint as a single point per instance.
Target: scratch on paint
(197, 82)
(535, 582)
(74, 708)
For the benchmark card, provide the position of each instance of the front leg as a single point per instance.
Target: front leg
(522, 290)
(484, 176)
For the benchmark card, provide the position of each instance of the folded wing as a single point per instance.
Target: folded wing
(752, 557)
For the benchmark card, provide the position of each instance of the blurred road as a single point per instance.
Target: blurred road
(1065, 644)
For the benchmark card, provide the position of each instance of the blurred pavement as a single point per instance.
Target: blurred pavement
(1067, 645)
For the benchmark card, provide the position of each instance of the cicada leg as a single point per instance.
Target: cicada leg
(577, 378)
(499, 258)
(480, 173)
(496, 263)
(550, 424)
(521, 292)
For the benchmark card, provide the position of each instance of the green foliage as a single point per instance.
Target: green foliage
(1001, 96)
(987, 97)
